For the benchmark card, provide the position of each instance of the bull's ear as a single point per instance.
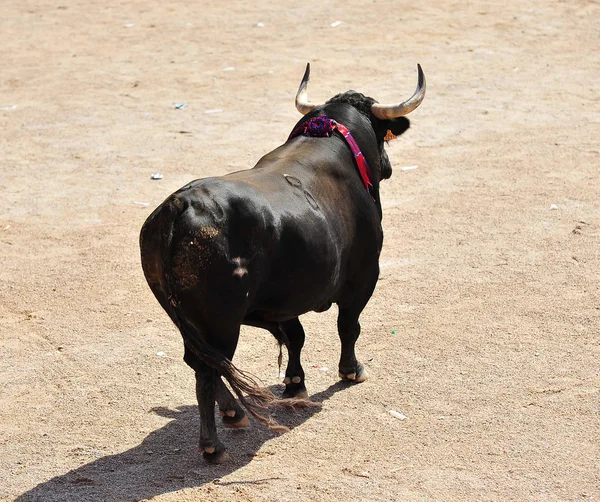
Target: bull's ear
(395, 127)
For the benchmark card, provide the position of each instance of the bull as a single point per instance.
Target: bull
(296, 233)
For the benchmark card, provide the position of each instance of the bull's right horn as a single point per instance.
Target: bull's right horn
(302, 103)
(386, 112)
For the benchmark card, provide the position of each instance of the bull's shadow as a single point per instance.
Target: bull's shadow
(166, 460)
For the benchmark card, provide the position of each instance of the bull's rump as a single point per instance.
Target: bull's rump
(239, 247)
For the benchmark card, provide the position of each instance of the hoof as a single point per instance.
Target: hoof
(347, 376)
(213, 457)
(358, 376)
(295, 392)
(287, 380)
(230, 423)
(228, 413)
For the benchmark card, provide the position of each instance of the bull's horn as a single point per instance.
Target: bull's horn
(302, 103)
(394, 111)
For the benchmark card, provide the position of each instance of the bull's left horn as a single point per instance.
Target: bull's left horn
(302, 103)
(385, 112)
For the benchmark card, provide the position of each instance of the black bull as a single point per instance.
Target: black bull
(260, 247)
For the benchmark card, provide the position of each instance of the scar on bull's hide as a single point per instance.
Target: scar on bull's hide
(296, 183)
(311, 200)
(207, 232)
(187, 260)
(185, 267)
(241, 269)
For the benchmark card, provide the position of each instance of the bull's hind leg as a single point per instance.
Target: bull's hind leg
(232, 413)
(206, 382)
(294, 374)
(349, 329)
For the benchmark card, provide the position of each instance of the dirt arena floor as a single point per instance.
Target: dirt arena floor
(484, 328)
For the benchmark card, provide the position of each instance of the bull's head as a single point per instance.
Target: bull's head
(388, 121)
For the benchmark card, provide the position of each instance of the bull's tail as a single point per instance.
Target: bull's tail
(252, 396)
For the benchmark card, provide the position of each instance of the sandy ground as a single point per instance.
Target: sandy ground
(484, 329)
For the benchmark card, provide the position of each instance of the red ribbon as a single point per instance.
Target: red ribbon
(322, 126)
(361, 162)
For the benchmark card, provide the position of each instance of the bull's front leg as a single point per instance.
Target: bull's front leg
(213, 450)
(348, 329)
(294, 373)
